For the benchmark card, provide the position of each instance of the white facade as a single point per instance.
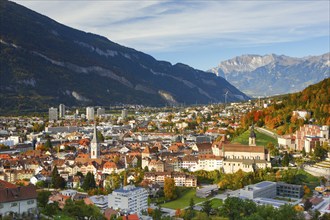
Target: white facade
(90, 113)
(130, 198)
(20, 207)
(100, 201)
(61, 111)
(265, 189)
(95, 147)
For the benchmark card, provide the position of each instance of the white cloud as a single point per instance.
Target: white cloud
(169, 25)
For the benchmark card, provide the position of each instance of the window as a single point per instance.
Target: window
(14, 204)
(30, 202)
(1, 206)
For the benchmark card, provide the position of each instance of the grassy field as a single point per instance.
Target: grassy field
(184, 200)
(262, 139)
(215, 203)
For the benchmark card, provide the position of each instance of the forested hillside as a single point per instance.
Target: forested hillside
(278, 116)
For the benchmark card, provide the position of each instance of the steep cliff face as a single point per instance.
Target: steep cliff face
(272, 74)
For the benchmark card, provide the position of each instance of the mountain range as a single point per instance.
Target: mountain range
(272, 74)
(45, 63)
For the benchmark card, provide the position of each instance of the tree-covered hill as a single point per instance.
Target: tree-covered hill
(45, 63)
(279, 116)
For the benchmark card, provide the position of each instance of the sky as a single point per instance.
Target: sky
(200, 33)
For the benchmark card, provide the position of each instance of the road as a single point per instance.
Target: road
(267, 132)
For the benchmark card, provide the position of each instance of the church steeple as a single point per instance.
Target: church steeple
(252, 137)
(95, 148)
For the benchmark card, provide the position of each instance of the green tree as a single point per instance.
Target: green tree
(157, 213)
(51, 209)
(100, 136)
(57, 180)
(232, 208)
(43, 197)
(285, 160)
(48, 144)
(169, 189)
(206, 207)
(89, 182)
(319, 152)
(307, 205)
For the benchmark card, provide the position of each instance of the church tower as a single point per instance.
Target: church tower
(252, 137)
(95, 148)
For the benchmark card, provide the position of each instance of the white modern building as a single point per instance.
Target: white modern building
(61, 111)
(100, 201)
(90, 113)
(129, 198)
(265, 189)
(52, 114)
(268, 189)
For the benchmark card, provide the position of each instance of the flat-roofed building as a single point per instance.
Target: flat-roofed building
(265, 189)
(129, 198)
(268, 189)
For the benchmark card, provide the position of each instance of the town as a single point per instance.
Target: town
(159, 163)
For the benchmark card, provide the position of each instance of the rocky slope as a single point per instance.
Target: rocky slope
(272, 74)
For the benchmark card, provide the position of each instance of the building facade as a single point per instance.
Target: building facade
(90, 113)
(17, 199)
(52, 114)
(61, 112)
(129, 198)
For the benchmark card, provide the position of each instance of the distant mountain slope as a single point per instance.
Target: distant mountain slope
(272, 74)
(45, 63)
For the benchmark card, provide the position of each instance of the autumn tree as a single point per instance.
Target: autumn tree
(169, 189)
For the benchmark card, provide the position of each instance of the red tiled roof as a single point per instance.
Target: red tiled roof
(131, 217)
(18, 193)
(5, 184)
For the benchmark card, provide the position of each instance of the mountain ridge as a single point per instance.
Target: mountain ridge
(272, 74)
(44, 63)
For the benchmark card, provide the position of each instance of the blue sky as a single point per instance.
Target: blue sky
(200, 33)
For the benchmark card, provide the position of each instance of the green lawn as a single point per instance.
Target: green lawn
(184, 200)
(262, 139)
(215, 203)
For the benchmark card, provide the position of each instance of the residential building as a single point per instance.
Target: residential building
(61, 108)
(17, 199)
(90, 113)
(180, 178)
(124, 113)
(129, 198)
(308, 131)
(52, 114)
(100, 112)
